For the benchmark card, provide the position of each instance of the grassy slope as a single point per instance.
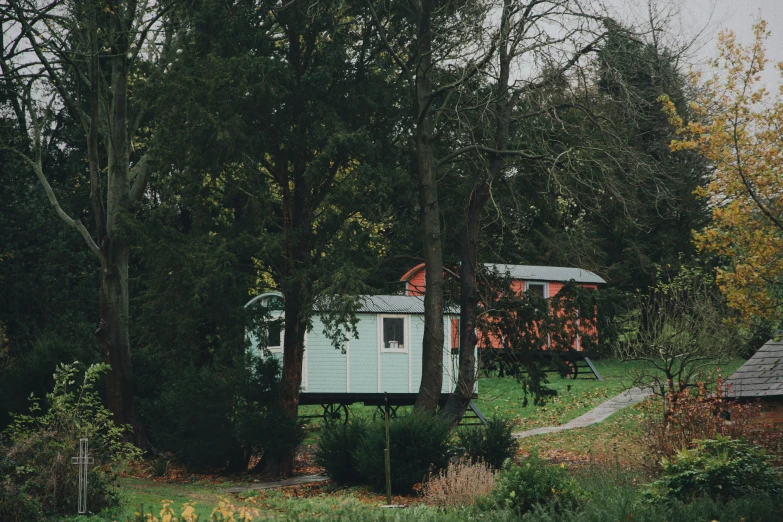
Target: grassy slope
(504, 396)
(574, 397)
(615, 441)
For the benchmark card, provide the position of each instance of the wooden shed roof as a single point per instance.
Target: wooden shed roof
(761, 375)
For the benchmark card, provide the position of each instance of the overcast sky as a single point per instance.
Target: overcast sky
(708, 17)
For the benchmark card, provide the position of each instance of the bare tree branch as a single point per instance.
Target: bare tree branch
(488, 150)
(68, 220)
(387, 44)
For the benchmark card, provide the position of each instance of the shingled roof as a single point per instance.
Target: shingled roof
(761, 375)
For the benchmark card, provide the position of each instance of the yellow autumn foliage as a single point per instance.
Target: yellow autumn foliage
(738, 130)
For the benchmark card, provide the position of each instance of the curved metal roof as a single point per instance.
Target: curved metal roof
(379, 304)
(265, 295)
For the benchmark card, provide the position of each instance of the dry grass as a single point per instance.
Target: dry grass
(459, 484)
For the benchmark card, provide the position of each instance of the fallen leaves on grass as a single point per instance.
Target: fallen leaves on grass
(304, 464)
(563, 408)
(618, 440)
(269, 499)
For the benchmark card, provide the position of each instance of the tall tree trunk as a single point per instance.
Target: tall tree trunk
(114, 252)
(113, 338)
(458, 401)
(296, 294)
(432, 344)
(99, 49)
(466, 377)
(293, 356)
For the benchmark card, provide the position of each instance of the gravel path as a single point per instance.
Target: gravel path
(597, 414)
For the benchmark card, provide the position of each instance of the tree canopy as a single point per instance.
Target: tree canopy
(737, 132)
(176, 159)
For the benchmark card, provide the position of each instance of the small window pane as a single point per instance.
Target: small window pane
(536, 289)
(393, 332)
(274, 334)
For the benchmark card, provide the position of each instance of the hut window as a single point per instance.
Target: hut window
(539, 289)
(274, 335)
(393, 333)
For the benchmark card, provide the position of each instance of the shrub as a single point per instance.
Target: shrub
(337, 443)
(193, 419)
(690, 417)
(492, 444)
(459, 484)
(218, 416)
(621, 504)
(419, 444)
(268, 431)
(14, 501)
(718, 468)
(38, 475)
(32, 368)
(536, 482)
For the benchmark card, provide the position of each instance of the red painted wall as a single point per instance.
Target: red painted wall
(414, 280)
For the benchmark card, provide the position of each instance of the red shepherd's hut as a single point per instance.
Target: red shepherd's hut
(547, 281)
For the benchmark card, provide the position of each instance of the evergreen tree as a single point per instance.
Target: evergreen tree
(280, 122)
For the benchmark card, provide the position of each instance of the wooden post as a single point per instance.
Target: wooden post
(387, 453)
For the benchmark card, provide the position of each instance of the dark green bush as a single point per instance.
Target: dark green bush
(15, 504)
(492, 443)
(193, 419)
(717, 468)
(535, 482)
(31, 371)
(218, 416)
(38, 477)
(267, 431)
(337, 444)
(419, 444)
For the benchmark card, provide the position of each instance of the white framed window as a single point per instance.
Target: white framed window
(393, 332)
(274, 335)
(540, 288)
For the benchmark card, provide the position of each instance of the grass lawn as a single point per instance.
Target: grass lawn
(614, 443)
(147, 496)
(505, 396)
